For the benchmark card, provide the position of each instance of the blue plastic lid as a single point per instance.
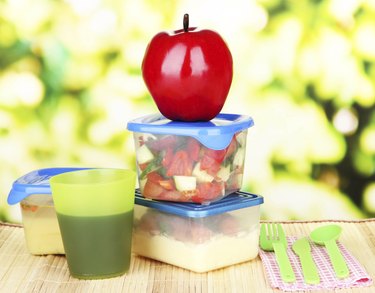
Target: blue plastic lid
(35, 182)
(235, 201)
(215, 134)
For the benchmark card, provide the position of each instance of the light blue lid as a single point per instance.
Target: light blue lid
(215, 134)
(35, 182)
(235, 201)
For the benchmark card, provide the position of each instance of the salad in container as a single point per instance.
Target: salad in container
(198, 162)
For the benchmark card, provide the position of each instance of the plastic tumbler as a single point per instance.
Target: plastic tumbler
(95, 214)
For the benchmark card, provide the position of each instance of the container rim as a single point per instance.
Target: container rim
(235, 201)
(215, 134)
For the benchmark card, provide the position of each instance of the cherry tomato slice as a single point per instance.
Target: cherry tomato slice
(210, 165)
(193, 149)
(152, 189)
(168, 157)
(180, 165)
(154, 177)
(167, 184)
(217, 155)
(208, 191)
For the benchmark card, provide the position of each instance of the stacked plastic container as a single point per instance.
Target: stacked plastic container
(197, 162)
(190, 211)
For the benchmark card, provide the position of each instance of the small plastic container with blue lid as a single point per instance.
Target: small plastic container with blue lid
(198, 237)
(39, 219)
(198, 162)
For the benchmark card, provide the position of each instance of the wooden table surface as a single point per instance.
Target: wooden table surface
(23, 272)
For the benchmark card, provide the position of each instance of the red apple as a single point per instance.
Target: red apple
(188, 73)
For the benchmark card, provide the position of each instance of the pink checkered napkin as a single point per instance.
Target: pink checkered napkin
(358, 276)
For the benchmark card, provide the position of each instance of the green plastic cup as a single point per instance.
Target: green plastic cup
(95, 213)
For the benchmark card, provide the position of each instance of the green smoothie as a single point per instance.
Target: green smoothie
(97, 247)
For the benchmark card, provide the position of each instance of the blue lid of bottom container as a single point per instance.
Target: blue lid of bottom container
(235, 201)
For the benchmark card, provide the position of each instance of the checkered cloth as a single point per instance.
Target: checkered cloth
(358, 276)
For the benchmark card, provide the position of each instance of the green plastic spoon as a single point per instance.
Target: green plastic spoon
(327, 235)
(303, 249)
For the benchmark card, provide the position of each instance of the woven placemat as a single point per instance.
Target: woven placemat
(22, 272)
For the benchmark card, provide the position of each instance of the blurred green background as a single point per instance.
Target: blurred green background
(70, 79)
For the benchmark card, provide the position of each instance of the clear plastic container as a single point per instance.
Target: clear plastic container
(40, 224)
(33, 192)
(198, 237)
(198, 162)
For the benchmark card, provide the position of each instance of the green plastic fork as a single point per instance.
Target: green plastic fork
(272, 238)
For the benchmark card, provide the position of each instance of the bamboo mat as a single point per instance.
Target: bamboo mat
(22, 272)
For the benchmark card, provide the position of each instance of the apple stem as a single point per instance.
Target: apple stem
(186, 22)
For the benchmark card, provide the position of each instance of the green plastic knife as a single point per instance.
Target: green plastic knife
(303, 249)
